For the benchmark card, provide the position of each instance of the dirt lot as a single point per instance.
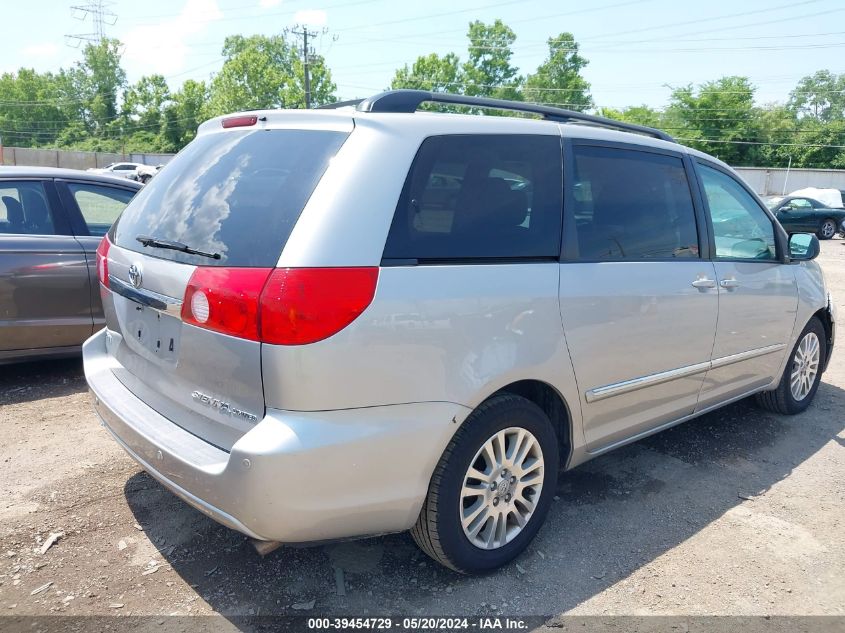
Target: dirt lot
(738, 512)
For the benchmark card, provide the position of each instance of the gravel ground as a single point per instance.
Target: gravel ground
(739, 512)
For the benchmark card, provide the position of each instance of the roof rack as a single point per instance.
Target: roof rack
(408, 101)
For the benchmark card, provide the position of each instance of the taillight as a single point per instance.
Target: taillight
(225, 300)
(103, 261)
(283, 306)
(306, 305)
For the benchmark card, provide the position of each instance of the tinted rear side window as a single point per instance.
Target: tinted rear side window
(234, 193)
(24, 209)
(480, 197)
(630, 204)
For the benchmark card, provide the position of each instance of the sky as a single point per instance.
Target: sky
(637, 49)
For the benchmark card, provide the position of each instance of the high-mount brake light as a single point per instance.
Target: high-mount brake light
(103, 261)
(281, 306)
(240, 121)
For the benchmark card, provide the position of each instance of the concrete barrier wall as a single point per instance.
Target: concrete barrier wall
(774, 181)
(75, 160)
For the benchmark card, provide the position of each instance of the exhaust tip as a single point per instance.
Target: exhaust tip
(264, 547)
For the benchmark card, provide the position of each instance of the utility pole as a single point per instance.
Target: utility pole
(301, 30)
(101, 16)
(306, 70)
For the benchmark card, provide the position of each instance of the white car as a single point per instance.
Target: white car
(146, 172)
(123, 170)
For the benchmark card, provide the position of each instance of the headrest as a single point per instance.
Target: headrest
(14, 210)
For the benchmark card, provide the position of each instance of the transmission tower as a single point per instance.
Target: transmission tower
(101, 16)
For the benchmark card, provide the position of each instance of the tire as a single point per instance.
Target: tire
(827, 229)
(439, 531)
(783, 399)
(144, 179)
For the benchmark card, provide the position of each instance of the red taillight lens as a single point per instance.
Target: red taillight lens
(240, 121)
(103, 261)
(225, 300)
(306, 305)
(283, 306)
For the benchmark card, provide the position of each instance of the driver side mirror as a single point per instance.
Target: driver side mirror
(803, 247)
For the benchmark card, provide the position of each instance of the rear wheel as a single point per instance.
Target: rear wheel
(828, 229)
(492, 488)
(802, 375)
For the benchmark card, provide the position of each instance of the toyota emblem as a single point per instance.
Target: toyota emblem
(135, 276)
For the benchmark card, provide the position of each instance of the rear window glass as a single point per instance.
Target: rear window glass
(480, 196)
(238, 194)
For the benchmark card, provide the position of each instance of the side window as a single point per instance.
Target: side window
(480, 196)
(800, 203)
(741, 229)
(24, 209)
(632, 205)
(99, 205)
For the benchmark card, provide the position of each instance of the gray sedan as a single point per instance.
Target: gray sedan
(51, 221)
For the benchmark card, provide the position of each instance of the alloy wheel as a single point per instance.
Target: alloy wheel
(828, 229)
(805, 366)
(501, 488)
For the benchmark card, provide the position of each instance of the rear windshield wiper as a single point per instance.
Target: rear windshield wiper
(146, 240)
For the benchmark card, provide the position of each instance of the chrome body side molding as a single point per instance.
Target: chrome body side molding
(627, 386)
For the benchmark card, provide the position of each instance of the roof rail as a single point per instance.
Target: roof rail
(409, 101)
(338, 104)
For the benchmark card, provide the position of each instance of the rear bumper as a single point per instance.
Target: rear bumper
(296, 477)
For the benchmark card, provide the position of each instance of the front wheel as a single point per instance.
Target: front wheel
(802, 375)
(492, 488)
(827, 230)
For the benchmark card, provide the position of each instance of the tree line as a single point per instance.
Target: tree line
(91, 106)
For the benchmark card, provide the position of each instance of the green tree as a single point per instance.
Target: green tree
(820, 96)
(98, 81)
(266, 72)
(431, 72)
(33, 107)
(558, 79)
(186, 112)
(719, 118)
(143, 103)
(488, 71)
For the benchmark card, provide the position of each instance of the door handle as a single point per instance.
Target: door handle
(702, 283)
(729, 284)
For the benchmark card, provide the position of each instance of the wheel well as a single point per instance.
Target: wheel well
(550, 401)
(824, 316)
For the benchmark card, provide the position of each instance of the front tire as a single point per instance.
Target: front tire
(802, 375)
(492, 488)
(827, 230)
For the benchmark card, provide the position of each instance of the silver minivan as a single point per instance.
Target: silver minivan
(339, 323)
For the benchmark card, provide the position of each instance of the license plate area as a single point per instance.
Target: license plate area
(150, 333)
